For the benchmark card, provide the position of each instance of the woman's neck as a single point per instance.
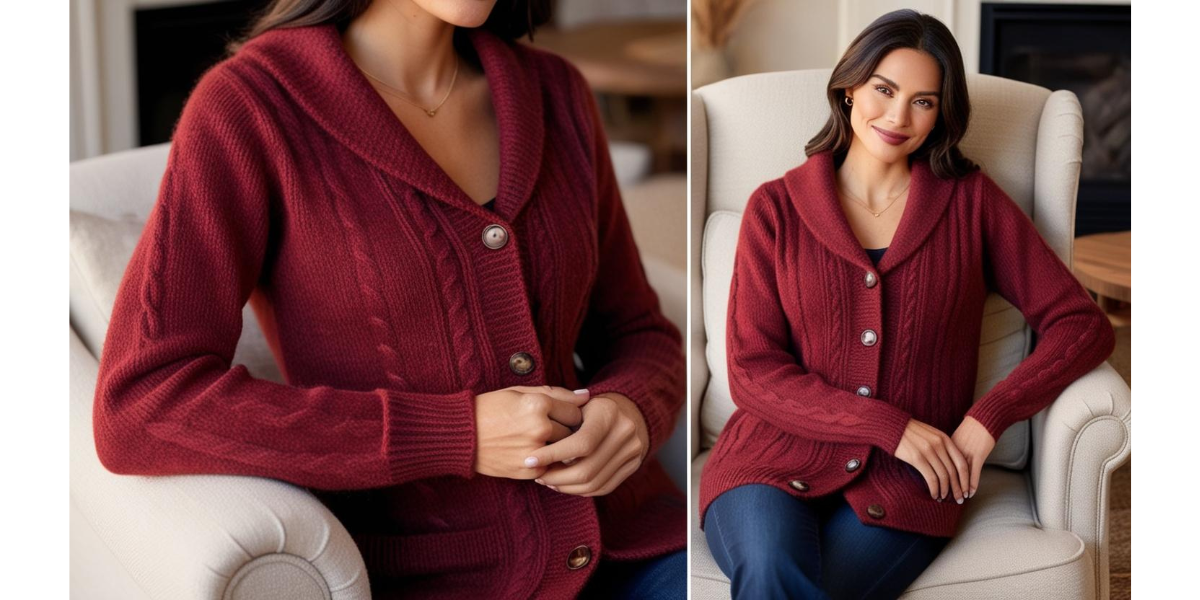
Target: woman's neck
(870, 179)
(405, 46)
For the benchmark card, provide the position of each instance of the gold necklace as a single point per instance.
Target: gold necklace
(868, 207)
(432, 112)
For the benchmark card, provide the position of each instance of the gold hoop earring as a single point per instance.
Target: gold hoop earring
(849, 101)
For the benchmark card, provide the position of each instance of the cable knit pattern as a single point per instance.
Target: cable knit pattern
(796, 386)
(292, 184)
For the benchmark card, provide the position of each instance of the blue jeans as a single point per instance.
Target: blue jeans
(773, 545)
(659, 578)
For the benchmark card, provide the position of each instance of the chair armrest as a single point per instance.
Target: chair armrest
(207, 536)
(1078, 441)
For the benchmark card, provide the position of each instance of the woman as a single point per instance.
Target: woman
(849, 365)
(338, 172)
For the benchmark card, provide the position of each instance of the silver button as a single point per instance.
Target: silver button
(495, 237)
(798, 485)
(871, 280)
(521, 363)
(864, 391)
(869, 338)
(852, 465)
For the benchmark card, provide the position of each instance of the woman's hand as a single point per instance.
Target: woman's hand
(609, 446)
(973, 439)
(937, 457)
(513, 422)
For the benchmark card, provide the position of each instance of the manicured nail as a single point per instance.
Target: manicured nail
(936, 498)
(531, 461)
(567, 461)
(552, 487)
(582, 392)
(959, 500)
(540, 481)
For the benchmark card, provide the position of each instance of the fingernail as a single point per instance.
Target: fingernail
(555, 488)
(582, 392)
(936, 498)
(960, 500)
(540, 481)
(531, 461)
(568, 461)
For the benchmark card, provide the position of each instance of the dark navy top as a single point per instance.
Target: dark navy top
(875, 254)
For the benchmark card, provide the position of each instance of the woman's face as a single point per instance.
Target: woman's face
(894, 111)
(463, 13)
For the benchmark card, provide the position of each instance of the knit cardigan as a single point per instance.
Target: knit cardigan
(291, 185)
(821, 405)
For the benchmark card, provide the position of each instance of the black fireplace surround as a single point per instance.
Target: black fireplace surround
(1085, 49)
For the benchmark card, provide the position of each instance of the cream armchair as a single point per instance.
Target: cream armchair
(224, 537)
(1039, 525)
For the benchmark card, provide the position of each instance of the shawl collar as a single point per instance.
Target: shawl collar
(313, 66)
(812, 187)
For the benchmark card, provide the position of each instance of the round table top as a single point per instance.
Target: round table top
(636, 58)
(1102, 264)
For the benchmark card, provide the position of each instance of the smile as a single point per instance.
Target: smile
(894, 139)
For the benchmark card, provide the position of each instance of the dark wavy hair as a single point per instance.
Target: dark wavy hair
(902, 29)
(510, 19)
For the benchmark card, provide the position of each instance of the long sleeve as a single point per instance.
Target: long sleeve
(168, 400)
(1073, 335)
(765, 377)
(626, 343)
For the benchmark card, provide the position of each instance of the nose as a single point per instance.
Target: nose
(898, 114)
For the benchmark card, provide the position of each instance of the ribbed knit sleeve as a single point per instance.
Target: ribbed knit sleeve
(1073, 335)
(765, 378)
(626, 342)
(168, 400)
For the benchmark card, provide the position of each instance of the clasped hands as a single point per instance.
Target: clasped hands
(568, 441)
(949, 464)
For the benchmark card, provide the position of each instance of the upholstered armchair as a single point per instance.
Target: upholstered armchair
(224, 537)
(1038, 527)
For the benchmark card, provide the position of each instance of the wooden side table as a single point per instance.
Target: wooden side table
(623, 60)
(1102, 265)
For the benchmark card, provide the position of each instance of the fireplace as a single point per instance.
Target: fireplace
(1085, 49)
(174, 45)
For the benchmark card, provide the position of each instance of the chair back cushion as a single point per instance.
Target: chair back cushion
(111, 198)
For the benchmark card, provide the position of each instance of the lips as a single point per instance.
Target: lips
(894, 139)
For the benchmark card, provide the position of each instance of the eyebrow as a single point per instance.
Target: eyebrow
(893, 84)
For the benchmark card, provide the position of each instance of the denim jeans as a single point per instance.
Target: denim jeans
(659, 578)
(773, 545)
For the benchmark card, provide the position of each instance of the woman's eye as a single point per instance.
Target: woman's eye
(925, 103)
(883, 90)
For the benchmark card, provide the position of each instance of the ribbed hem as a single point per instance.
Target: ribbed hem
(659, 422)
(889, 423)
(429, 435)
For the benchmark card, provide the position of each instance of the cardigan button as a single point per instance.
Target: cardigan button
(876, 511)
(869, 337)
(495, 237)
(579, 557)
(864, 391)
(521, 363)
(852, 465)
(871, 280)
(798, 485)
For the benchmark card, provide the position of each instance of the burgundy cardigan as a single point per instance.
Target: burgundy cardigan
(390, 299)
(822, 404)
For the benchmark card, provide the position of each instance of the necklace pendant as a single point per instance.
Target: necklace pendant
(431, 113)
